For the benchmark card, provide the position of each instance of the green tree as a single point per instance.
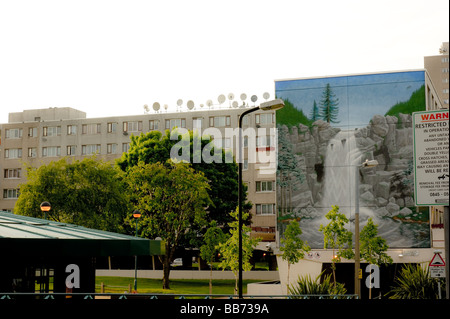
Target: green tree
(337, 237)
(373, 247)
(88, 193)
(212, 238)
(154, 147)
(329, 105)
(172, 199)
(315, 113)
(292, 246)
(307, 286)
(229, 250)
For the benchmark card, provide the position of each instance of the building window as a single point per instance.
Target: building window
(265, 186)
(171, 123)
(32, 131)
(91, 128)
(51, 151)
(90, 149)
(197, 123)
(13, 133)
(224, 143)
(125, 147)
(245, 165)
(12, 173)
(265, 118)
(71, 149)
(12, 153)
(111, 148)
(11, 193)
(153, 125)
(264, 141)
(265, 209)
(219, 121)
(71, 129)
(112, 127)
(32, 152)
(51, 131)
(135, 126)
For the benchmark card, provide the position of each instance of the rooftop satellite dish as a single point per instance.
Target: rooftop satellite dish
(231, 96)
(266, 95)
(146, 109)
(254, 98)
(179, 102)
(235, 104)
(201, 105)
(209, 103)
(190, 104)
(166, 107)
(156, 106)
(243, 96)
(221, 98)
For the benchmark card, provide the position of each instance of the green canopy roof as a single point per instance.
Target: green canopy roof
(29, 236)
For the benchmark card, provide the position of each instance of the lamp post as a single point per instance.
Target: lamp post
(45, 207)
(266, 106)
(367, 163)
(136, 215)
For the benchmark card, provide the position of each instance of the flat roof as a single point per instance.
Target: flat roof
(30, 236)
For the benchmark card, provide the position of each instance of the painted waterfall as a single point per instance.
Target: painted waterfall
(327, 129)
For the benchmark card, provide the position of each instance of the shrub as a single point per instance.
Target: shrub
(307, 286)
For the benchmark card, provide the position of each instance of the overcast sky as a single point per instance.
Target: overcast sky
(111, 57)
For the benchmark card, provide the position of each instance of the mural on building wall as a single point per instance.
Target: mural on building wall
(327, 129)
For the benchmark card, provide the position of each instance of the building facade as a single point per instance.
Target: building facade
(37, 137)
(437, 67)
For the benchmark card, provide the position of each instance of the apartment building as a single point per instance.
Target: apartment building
(37, 137)
(437, 67)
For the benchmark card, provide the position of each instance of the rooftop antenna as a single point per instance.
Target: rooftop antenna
(221, 98)
(190, 104)
(209, 103)
(179, 103)
(254, 98)
(156, 107)
(230, 97)
(266, 95)
(243, 98)
(166, 107)
(146, 109)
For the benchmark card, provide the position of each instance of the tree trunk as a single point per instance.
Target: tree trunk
(210, 278)
(166, 273)
(287, 286)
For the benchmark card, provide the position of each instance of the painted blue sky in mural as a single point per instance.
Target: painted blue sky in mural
(360, 96)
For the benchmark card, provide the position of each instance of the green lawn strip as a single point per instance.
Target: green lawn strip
(178, 286)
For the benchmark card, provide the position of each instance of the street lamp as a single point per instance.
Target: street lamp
(45, 207)
(136, 215)
(266, 106)
(367, 163)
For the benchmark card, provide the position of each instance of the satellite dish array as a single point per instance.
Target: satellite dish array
(209, 103)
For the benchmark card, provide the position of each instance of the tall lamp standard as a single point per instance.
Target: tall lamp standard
(136, 215)
(367, 163)
(45, 207)
(266, 106)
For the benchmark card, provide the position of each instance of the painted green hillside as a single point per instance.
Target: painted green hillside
(415, 103)
(290, 116)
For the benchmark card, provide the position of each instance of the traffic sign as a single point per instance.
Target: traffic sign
(431, 157)
(437, 266)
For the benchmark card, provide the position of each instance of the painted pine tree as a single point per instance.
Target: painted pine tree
(329, 105)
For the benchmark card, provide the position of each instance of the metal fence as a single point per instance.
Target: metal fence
(53, 296)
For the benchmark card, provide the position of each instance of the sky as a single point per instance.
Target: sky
(110, 58)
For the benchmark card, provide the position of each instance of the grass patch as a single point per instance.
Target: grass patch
(178, 286)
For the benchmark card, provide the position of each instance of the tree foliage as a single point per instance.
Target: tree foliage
(154, 147)
(329, 105)
(229, 250)
(373, 247)
(88, 193)
(307, 286)
(172, 199)
(337, 237)
(292, 246)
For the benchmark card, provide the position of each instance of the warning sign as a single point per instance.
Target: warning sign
(437, 266)
(431, 157)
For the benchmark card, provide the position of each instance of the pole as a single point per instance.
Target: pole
(357, 255)
(446, 251)
(135, 262)
(240, 196)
